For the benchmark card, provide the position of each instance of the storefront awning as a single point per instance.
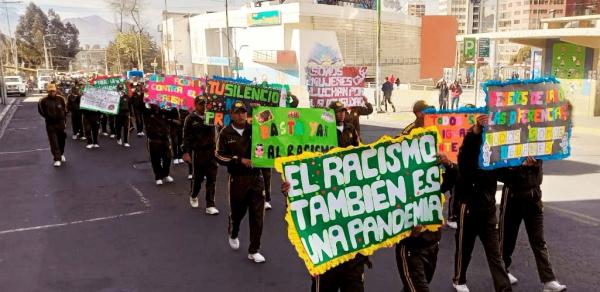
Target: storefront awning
(589, 37)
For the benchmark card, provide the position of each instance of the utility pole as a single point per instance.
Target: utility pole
(227, 32)
(13, 41)
(378, 58)
(166, 41)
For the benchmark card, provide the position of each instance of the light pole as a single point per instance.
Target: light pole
(45, 48)
(237, 60)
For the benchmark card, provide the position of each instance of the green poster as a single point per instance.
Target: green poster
(280, 132)
(359, 199)
(568, 61)
(469, 49)
(108, 83)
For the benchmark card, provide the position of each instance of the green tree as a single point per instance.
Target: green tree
(123, 51)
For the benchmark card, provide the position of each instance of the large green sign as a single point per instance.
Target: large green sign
(264, 18)
(469, 48)
(279, 132)
(568, 61)
(359, 199)
(107, 82)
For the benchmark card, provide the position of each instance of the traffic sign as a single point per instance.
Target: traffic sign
(469, 48)
(484, 47)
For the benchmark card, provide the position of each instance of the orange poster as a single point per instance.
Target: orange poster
(453, 127)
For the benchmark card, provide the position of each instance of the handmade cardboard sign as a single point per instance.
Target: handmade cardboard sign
(452, 126)
(109, 82)
(359, 199)
(281, 132)
(525, 119)
(101, 100)
(222, 94)
(344, 84)
(169, 91)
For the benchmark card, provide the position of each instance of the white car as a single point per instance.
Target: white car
(43, 83)
(15, 85)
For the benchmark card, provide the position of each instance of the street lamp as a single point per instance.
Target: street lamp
(237, 60)
(45, 49)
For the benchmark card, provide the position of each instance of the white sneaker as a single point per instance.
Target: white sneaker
(190, 176)
(83, 138)
(159, 182)
(96, 146)
(175, 161)
(119, 142)
(256, 257)
(127, 145)
(57, 163)
(513, 280)
(89, 146)
(63, 158)
(268, 206)
(460, 288)
(452, 224)
(194, 202)
(104, 134)
(554, 286)
(74, 137)
(169, 179)
(212, 211)
(234, 243)
(181, 161)
(112, 136)
(140, 134)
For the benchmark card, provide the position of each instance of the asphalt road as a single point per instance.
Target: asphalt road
(100, 224)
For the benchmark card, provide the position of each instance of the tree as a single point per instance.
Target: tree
(62, 39)
(123, 53)
(522, 56)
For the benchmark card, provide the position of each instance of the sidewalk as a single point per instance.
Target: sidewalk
(6, 112)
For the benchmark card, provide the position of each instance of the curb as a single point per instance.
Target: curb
(7, 113)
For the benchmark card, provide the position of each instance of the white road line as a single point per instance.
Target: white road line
(25, 151)
(581, 218)
(71, 223)
(143, 199)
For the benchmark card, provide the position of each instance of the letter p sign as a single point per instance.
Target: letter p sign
(469, 48)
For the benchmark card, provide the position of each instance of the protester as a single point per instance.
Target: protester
(53, 109)
(356, 111)
(137, 98)
(522, 201)
(455, 92)
(91, 123)
(246, 183)
(387, 89)
(443, 95)
(475, 190)
(157, 132)
(73, 106)
(199, 150)
(122, 121)
(348, 276)
(416, 255)
(107, 121)
(176, 118)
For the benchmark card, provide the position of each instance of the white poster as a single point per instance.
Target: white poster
(100, 100)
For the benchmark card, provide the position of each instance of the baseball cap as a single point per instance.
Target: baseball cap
(420, 106)
(238, 106)
(200, 99)
(336, 106)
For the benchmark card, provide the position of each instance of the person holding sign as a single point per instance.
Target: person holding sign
(476, 189)
(157, 132)
(522, 201)
(91, 124)
(246, 185)
(199, 150)
(122, 119)
(73, 105)
(356, 111)
(53, 109)
(137, 98)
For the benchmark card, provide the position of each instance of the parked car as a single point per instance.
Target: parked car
(15, 85)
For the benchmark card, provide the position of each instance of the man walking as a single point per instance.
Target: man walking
(246, 183)
(122, 118)
(157, 132)
(387, 89)
(137, 98)
(73, 107)
(199, 150)
(53, 109)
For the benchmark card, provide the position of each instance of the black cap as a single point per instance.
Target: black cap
(420, 106)
(238, 106)
(337, 106)
(200, 99)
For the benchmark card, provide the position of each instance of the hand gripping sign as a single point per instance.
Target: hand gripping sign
(360, 199)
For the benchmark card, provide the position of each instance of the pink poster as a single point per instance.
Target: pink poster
(170, 91)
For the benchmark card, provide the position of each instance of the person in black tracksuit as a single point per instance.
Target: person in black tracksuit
(199, 143)
(73, 107)
(246, 184)
(53, 109)
(137, 99)
(349, 276)
(522, 201)
(475, 190)
(122, 118)
(107, 121)
(416, 255)
(353, 117)
(176, 133)
(91, 124)
(157, 132)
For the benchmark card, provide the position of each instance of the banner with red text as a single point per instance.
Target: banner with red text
(344, 84)
(169, 91)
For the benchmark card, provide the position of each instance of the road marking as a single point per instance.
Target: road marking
(25, 151)
(143, 199)
(42, 227)
(21, 129)
(581, 218)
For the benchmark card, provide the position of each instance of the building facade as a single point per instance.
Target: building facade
(415, 8)
(469, 14)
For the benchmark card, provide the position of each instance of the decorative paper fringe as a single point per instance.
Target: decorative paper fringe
(461, 110)
(548, 79)
(293, 232)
